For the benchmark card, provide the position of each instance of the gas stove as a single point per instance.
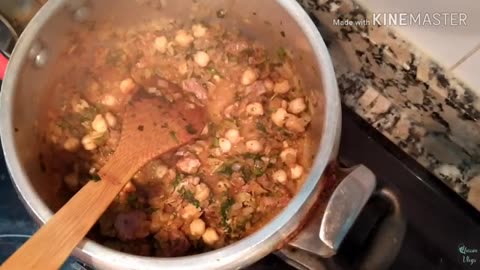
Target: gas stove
(442, 229)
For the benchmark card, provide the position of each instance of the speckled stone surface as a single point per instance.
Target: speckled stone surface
(404, 94)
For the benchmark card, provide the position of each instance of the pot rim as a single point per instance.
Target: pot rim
(240, 253)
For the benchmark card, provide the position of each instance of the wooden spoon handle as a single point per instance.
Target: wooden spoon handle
(50, 246)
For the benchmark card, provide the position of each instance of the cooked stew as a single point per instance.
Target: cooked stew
(248, 163)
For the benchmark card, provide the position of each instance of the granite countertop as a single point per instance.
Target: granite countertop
(405, 95)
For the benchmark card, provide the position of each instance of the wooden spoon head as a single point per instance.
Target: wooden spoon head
(151, 127)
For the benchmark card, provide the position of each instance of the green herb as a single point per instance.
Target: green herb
(177, 180)
(188, 196)
(285, 132)
(221, 13)
(173, 134)
(246, 173)
(261, 127)
(258, 168)
(95, 177)
(101, 140)
(225, 211)
(248, 52)
(190, 129)
(114, 56)
(213, 71)
(232, 58)
(216, 142)
(150, 210)
(64, 124)
(88, 114)
(252, 156)
(212, 129)
(225, 169)
(282, 54)
(132, 198)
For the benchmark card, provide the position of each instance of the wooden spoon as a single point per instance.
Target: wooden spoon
(150, 127)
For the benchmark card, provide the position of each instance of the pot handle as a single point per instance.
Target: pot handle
(343, 207)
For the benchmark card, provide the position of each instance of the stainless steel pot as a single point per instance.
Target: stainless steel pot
(31, 67)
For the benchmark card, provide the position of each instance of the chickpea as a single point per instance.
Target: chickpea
(183, 67)
(222, 186)
(295, 124)
(255, 108)
(202, 192)
(129, 187)
(254, 146)
(243, 197)
(249, 76)
(288, 155)
(201, 58)
(280, 176)
(210, 236)
(225, 145)
(296, 171)
(189, 211)
(88, 143)
(109, 100)
(232, 135)
(188, 165)
(268, 84)
(99, 124)
(183, 39)
(297, 106)
(71, 144)
(111, 119)
(199, 30)
(197, 227)
(127, 86)
(80, 106)
(160, 44)
(161, 171)
(279, 117)
(281, 87)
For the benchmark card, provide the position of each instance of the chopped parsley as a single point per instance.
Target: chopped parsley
(258, 168)
(221, 13)
(252, 156)
(177, 180)
(246, 173)
(188, 196)
(95, 177)
(190, 129)
(173, 134)
(132, 198)
(225, 169)
(213, 71)
(88, 114)
(216, 142)
(260, 126)
(225, 211)
(282, 54)
(114, 56)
